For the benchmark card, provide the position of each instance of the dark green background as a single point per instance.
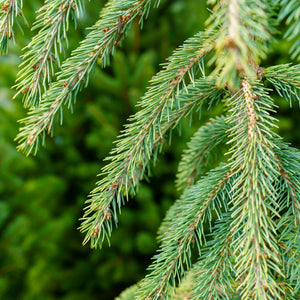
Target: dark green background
(42, 197)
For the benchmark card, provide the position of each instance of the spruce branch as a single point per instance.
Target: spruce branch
(101, 42)
(289, 163)
(202, 149)
(286, 80)
(10, 10)
(165, 103)
(241, 40)
(254, 197)
(185, 229)
(137, 146)
(290, 10)
(182, 292)
(288, 226)
(254, 252)
(214, 272)
(43, 51)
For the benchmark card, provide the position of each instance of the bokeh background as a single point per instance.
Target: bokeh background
(42, 197)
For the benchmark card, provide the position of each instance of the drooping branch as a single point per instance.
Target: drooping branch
(10, 10)
(43, 51)
(101, 42)
(163, 106)
(185, 229)
(137, 146)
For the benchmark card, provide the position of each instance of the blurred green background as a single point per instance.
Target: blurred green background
(42, 197)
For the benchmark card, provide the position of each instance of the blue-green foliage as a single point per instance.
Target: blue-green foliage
(233, 233)
(42, 197)
(290, 11)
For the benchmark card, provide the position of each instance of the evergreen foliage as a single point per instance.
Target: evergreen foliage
(9, 13)
(241, 218)
(43, 51)
(100, 43)
(203, 150)
(290, 10)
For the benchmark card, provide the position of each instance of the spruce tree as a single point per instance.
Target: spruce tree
(250, 201)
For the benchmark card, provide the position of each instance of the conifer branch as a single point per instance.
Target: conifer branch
(163, 106)
(214, 272)
(202, 149)
(255, 252)
(254, 196)
(140, 143)
(101, 42)
(43, 51)
(289, 159)
(9, 11)
(288, 225)
(290, 10)
(182, 292)
(241, 41)
(191, 167)
(195, 207)
(286, 80)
